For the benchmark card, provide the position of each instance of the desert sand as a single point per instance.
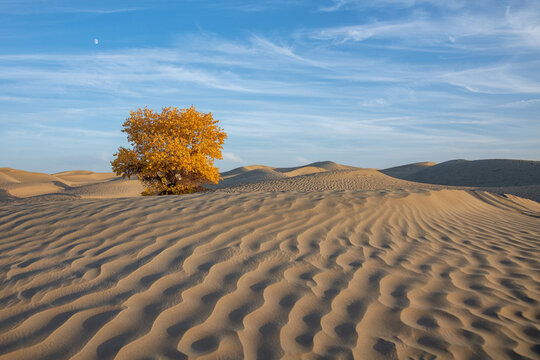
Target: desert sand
(323, 261)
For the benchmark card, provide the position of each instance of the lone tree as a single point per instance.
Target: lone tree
(173, 151)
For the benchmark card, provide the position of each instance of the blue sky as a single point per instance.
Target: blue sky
(365, 83)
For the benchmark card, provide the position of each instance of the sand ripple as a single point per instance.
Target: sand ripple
(338, 274)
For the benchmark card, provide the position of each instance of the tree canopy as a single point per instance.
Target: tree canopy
(172, 152)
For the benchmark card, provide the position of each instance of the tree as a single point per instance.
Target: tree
(173, 151)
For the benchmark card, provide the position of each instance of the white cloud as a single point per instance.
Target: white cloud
(253, 5)
(231, 157)
(492, 80)
(114, 72)
(269, 47)
(103, 156)
(521, 103)
(95, 11)
(13, 98)
(72, 131)
(246, 68)
(96, 41)
(373, 30)
(475, 31)
(336, 5)
(526, 24)
(281, 91)
(374, 102)
(301, 160)
(29, 7)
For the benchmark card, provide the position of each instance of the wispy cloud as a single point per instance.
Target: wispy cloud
(373, 30)
(520, 103)
(336, 5)
(29, 7)
(116, 72)
(301, 160)
(14, 98)
(231, 157)
(266, 45)
(338, 89)
(253, 5)
(95, 10)
(494, 80)
(374, 102)
(525, 23)
(73, 131)
(514, 28)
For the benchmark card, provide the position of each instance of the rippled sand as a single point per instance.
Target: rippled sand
(392, 274)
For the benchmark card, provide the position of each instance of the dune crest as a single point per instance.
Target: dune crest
(83, 177)
(336, 274)
(78, 183)
(484, 173)
(496, 176)
(259, 173)
(324, 180)
(6, 179)
(403, 171)
(503, 176)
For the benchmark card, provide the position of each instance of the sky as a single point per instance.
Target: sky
(371, 83)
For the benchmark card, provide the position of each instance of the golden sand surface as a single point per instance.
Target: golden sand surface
(263, 271)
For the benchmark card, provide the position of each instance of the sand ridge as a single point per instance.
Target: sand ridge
(83, 177)
(328, 274)
(404, 171)
(344, 179)
(481, 173)
(260, 173)
(509, 176)
(78, 183)
(501, 176)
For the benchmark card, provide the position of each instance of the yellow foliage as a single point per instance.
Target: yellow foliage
(173, 151)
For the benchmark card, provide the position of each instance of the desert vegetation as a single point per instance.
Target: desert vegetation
(173, 152)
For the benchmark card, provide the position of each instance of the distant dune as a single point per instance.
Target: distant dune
(21, 183)
(319, 176)
(324, 165)
(83, 177)
(78, 183)
(484, 173)
(6, 179)
(323, 180)
(516, 177)
(404, 171)
(259, 173)
(114, 188)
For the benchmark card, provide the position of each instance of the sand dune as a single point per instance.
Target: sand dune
(249, 175)
(319, 176)
(83, 177)
(404, 171)
(114, 188)
(485, 173)
(21, 183)
(501, 176)
(6, 179)
(79, 183)
(394, 274)
(322, 165)
(4, 195)
(21, 176)
(358, 179)
(259, 173)
(521, 178)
